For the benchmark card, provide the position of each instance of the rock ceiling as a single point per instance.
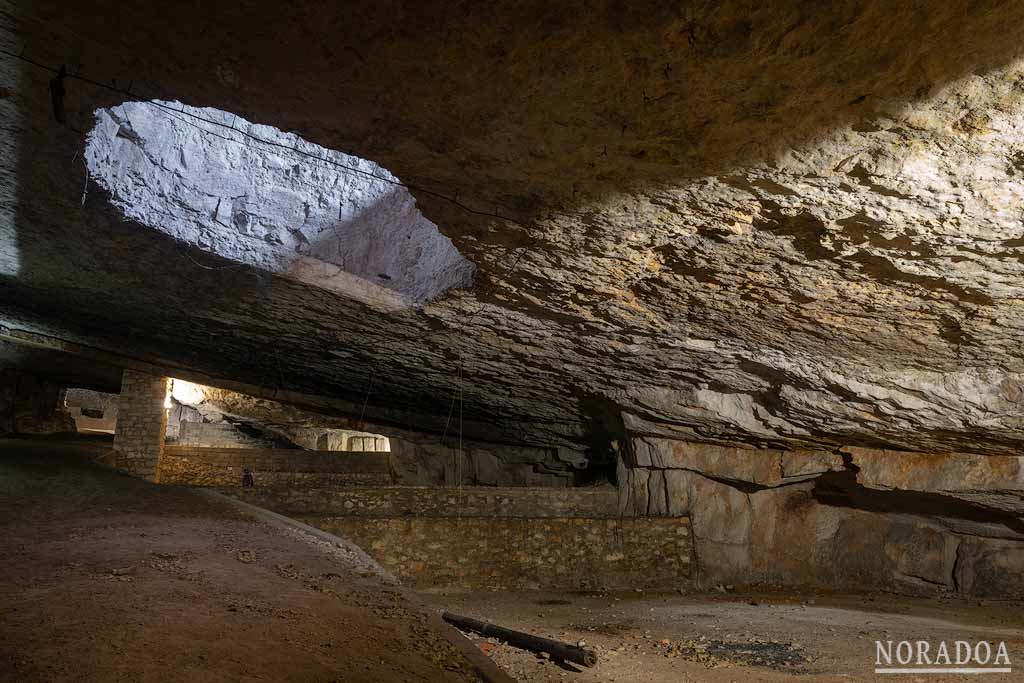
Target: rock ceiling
(721, 220)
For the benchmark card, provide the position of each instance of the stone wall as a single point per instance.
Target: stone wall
(141, 423)
(423, 501)
(511, 538)
(92, 411)
(271, 467)
(524, 553)
(367, 442)
(217, 435)
(855, 519)
(322, 439)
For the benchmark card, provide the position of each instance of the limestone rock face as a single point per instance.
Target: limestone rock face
(884, 469)
(92, 410)
(784, 536)
(785, 224)
(863, 519)
(991, 568)
(995, 482)
(764, 467)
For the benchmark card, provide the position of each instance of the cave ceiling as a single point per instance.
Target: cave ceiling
(773, 223)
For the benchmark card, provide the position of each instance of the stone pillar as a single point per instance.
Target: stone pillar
(141, 424)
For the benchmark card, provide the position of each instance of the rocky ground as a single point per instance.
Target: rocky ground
(730, 637)
(108, 578)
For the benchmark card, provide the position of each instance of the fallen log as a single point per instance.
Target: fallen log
(524, 641)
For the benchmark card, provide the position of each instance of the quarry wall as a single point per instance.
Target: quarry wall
(854, 519)
(92, 411)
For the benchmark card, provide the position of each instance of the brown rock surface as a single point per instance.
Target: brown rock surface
(904, 522)
(991, 481)
(782, 223)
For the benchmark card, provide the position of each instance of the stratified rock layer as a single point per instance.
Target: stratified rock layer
(995, 482)
(789, 225)
(860, 519)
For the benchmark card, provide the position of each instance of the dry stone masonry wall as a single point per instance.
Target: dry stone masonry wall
(423, 501)
(272, 467)
(511, 538)
(141, 423)
(524, 553)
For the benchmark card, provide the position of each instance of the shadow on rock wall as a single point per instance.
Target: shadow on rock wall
(503, 104)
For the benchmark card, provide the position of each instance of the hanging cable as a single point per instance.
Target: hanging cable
(462, 453)
(451, 409)
(369, 387)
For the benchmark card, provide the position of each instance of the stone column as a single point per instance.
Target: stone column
(141, 424)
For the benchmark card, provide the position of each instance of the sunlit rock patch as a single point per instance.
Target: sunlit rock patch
(342, 224)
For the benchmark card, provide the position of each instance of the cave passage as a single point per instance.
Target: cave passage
(689, 333)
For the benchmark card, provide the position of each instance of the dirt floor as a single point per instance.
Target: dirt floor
(108, 578)
(734, 638)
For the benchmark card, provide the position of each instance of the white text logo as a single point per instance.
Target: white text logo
(925, 657)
